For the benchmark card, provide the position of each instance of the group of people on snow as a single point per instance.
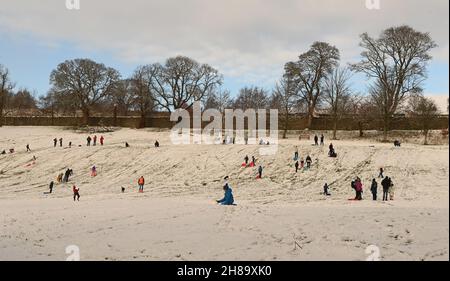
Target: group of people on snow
(387, 185)
(228, 199)
(94, 140)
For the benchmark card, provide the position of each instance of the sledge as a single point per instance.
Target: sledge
(252, 165)
(244, 165)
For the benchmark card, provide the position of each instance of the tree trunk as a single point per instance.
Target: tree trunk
(360, 127)
(310, 119)
(334, 129)
(53, 115)
(1, 115)
(425, 142)
(2, 105)
(86, 114)
(142, 122)
(115, 116)
(286, 123)
(385, 128)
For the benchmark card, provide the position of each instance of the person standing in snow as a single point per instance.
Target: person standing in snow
(141, 182)
(308, 162)
(358, 189)
(76, 193)
(93, 171)
(260, 170)
(385, 183)
(325, 190)
(373, 189)
(380, 175)
(246, 160)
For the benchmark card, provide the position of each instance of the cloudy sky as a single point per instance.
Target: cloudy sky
(248, 41)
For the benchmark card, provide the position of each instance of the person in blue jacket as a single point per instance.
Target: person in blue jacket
(228, 198)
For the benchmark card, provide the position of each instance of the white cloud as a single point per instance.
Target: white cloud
(247, 39)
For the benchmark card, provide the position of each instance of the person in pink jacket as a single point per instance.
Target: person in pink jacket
(358, 189)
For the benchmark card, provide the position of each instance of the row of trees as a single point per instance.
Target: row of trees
(13, 102)
(394, 64)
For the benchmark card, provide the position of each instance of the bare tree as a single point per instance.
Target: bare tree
(47, 103)
(22, 101)
(6, 86)
(141, 92)
(219, 100)
(310, 72)
(284, 98)
(121, 97)
(365, 112)
(85, 81)
(254, 98)
(396, 61)
(424, 111)
(338, 95)
(181, 81)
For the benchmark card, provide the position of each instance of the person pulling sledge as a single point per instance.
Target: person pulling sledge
(245, 161)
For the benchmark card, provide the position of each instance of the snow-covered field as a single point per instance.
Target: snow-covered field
(283, 216)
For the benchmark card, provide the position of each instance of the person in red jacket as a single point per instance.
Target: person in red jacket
(141, 183)
(76, 193)
(101, 140)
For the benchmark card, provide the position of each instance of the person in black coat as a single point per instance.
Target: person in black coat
(51, 186)
(373, 189)
(386, 183)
